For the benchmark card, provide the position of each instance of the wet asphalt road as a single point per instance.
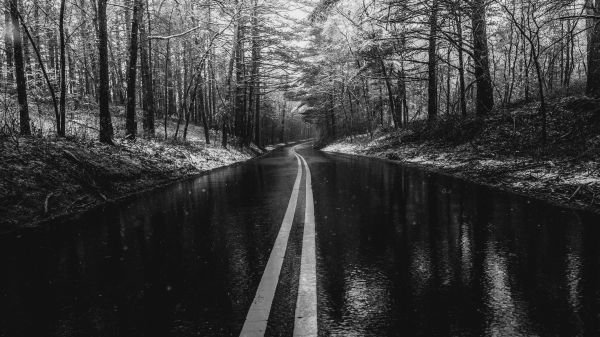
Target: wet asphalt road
(399, 252)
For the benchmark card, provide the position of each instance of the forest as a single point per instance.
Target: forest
(209, 63)
(104, 95)
(502, 92)
(148, 90)
(388, 63)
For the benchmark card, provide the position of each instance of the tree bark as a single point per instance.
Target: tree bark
(130, 123)
(106, 129)
(593, 76)
(203, 108)
(44, 72)
(148, 120)
(25, 128)
(63, 68)
(257, 114)
(388, 86)
(448, 74)
(8, 43)
(168, 89)
(432, 64)
(485, 93)
(230, 99)
(255, 86)
(239, 89)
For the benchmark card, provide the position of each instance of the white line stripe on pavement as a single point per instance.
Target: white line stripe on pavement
(305, 323)
(258, 315)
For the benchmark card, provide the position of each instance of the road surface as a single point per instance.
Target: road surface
(303, 243)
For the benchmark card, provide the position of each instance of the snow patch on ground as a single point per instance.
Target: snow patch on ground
(564, 181)
(349, 148)
(45, 176)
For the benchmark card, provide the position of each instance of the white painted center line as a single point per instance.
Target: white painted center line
(258, 315)
(305, 323)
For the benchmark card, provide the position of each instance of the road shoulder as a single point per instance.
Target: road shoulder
(565, 182)
(46, 179)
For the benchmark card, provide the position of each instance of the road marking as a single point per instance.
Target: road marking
(258, 315)
(305, 323)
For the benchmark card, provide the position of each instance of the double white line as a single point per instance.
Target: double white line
(305, 323)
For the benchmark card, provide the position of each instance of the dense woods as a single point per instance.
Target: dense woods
(182, 80)
(237, 66)
(403, 167)
(218, 64)
(381, 64)
(104, 98)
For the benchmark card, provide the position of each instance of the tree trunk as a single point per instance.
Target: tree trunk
(257, 128)
(239, 89)
(282, 131)
(432, 64)
(593, 76)
(230, 99)
(388, 86)
(542, 111)
(63, 68)
(106, 129)
(255, 86)
(25, 128)
(189, 109)
(44, 72)
(485, 93)
(148, 91)
(8, 43)
(203, 108)
(168, 90)
(130, 123)
(448, 74)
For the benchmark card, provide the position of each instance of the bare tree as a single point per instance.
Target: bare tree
(485, 91)
(25, 128)
(106, 128)
(63, 70)
(130, 122)
(593, 75)
(432, 63)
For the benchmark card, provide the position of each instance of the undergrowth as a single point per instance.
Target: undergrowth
(573, 126)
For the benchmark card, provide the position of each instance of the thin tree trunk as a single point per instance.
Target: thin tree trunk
(485, 93)
(25, 128)
(230, 89)
(593, 76)
(8, 43)
(257, 126)
(255, 86)
(432, 64)
(239, 106)
(148, 92)
(448, 74)
(461, 67)
(106, 129)
(130, 122)
(167, 91)
(390, 92)
(189, 109)
(203, 109)
(63, 68)
(43, 68)
(538, 69)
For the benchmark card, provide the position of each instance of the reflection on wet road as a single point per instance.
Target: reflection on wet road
(400, 252)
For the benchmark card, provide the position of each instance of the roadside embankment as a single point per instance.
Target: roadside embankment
(46, 177)
(504, 151)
